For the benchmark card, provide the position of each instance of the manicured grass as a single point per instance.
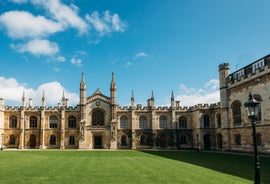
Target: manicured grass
(128, 167)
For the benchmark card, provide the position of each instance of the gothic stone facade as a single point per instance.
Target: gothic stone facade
(98, 122)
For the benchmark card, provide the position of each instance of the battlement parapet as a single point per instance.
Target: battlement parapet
(50, 108)
(71, 108)
(249, 72)
(185, 108)
(162, 108)
(12, 108)
(224, 66)
(205, 106)
(35, 108)
(125, 108)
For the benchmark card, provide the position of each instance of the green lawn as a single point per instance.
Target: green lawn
(128, 167)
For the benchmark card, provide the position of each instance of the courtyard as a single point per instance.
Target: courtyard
(99, 166)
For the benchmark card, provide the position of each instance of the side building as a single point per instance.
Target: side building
(99, 122)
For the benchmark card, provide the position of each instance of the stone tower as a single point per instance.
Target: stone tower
(224, 105)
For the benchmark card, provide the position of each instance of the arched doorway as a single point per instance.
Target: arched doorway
(206, 140)
(219, 141)
(97, 142)
(163, 141)
(32, 141)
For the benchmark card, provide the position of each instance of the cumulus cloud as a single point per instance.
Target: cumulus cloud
(76, 61)
(12, 90)
(65, 15)
(60, 59)
(22, 24)
(141, 54)
(37, 47)
(106, 23)
(192, 96)
(58, 17)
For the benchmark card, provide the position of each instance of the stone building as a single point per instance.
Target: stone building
(98, 122)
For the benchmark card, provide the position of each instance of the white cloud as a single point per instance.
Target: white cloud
(76, 61)
(128, 64)
(19, 1)
(117, 24)
(22, 24)
(37, 47)
(65, 15)
(106, 23)
(56, 69)
(141, 54)
(54, 93)
(60, 59)
(11, 90)
(193, 96)
(98, 23)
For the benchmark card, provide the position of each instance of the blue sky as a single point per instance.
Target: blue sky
(150, 45)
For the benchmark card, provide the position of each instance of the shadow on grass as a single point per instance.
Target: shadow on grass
(234, 164)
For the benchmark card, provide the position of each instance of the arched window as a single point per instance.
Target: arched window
(98, 118)
(219, 141)
(33, 122)
(236, 112)
(142, 122)
(53, 122)
(71, 122)
(124, 140)
(11, 140)
(182, 122)
(52, 140)
(218, 120)
(206, 121)
(71, 140)
(13, 122)
(162, 122)
(124, 122)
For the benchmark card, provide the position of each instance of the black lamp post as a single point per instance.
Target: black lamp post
(252, 107)
(2, 146)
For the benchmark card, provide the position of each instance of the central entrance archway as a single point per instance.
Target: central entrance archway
(97, 142)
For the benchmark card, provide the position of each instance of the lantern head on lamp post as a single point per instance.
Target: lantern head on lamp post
(253, 108)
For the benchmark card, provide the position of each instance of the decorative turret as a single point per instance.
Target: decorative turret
(151, 100)
(43, 100)
(113, 90)
(82, 107)
(63, 100)
(82, 91)
(23, 100)
(30, 102)
(132, 99)
(82, 84)
(172, 100)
